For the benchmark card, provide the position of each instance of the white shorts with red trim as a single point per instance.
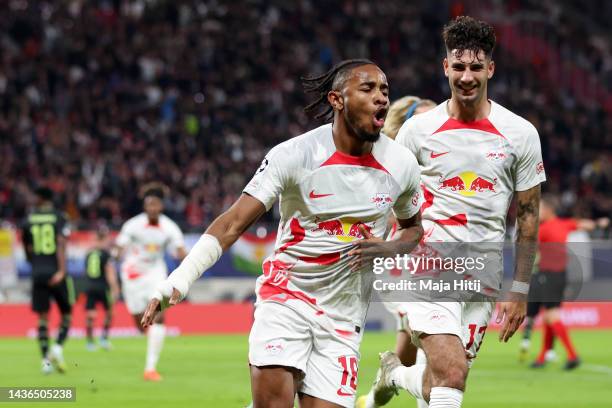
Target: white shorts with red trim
(137, 292)
(466, 320)
(325, 351)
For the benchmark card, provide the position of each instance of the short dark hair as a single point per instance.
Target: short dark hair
(44, 193)
(102, 231)
(154, 189)
(321, 85)
(465, 33)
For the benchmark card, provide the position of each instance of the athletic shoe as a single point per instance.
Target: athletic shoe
(105, 344)
(361, 402)
(152, 375)
(572, 364)
(383, 388)
(46, 367)
(56, 355)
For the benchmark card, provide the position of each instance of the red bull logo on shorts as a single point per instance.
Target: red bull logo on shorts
(468, 183)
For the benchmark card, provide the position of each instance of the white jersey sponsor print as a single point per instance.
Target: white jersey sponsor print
(145, 245)
(325, 196)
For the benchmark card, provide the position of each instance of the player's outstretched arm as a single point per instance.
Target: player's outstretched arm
(585, 224)
(513, 310)
(220, 235)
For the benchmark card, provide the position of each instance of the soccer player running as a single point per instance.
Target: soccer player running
(101, 287)
(548, 284)
(400, 111)
(44, 238)
(144, 240)
(474, 155)
(337, 185)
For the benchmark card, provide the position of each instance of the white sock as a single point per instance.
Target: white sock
(445, 397)
(370, 400)
(410, 379)
(155, 342)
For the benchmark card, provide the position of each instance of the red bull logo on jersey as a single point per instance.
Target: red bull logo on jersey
(382, 200)
(468, 183)
(152, 248)
(344, 230)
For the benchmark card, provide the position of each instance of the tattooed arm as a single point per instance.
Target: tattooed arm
(515, 308)
(527, 232)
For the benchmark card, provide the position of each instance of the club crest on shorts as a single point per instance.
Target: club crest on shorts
(437, 317)
(274, 347)
(382, 200)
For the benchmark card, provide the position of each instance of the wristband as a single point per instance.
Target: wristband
(204, 254)
(520, 287)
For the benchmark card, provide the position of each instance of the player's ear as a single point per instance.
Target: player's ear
(491, 69)
(336, 100)
(445, 66)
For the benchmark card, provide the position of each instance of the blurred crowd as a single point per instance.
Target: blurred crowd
(99, 97)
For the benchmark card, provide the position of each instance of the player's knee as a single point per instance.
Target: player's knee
(273, 387)
(272, 396)
(455, 376)
(449, 372)
(273, 400)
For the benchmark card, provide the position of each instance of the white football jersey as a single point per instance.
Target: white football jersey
(145, 245)
(469, 172)
(325, 195)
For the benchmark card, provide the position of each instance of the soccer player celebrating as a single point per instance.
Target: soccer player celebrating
(44, 239)
(144, 239)
(400, 111)
(548, 285)
(474, 155)
(101, 287)
(336, 185)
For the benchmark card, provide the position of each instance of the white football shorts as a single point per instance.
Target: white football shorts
(137, 292)
(325, 351)
(466, 320)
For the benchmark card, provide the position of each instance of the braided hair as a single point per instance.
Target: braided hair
(321, 85)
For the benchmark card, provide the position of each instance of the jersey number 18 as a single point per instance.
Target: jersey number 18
(43, 237)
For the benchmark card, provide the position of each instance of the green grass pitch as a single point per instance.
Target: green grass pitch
(212, 371)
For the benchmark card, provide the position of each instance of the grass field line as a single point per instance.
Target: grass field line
(598, 368)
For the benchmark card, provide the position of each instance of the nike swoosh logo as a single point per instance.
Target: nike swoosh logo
(313, 195)
(434, 155)
(344, 394)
